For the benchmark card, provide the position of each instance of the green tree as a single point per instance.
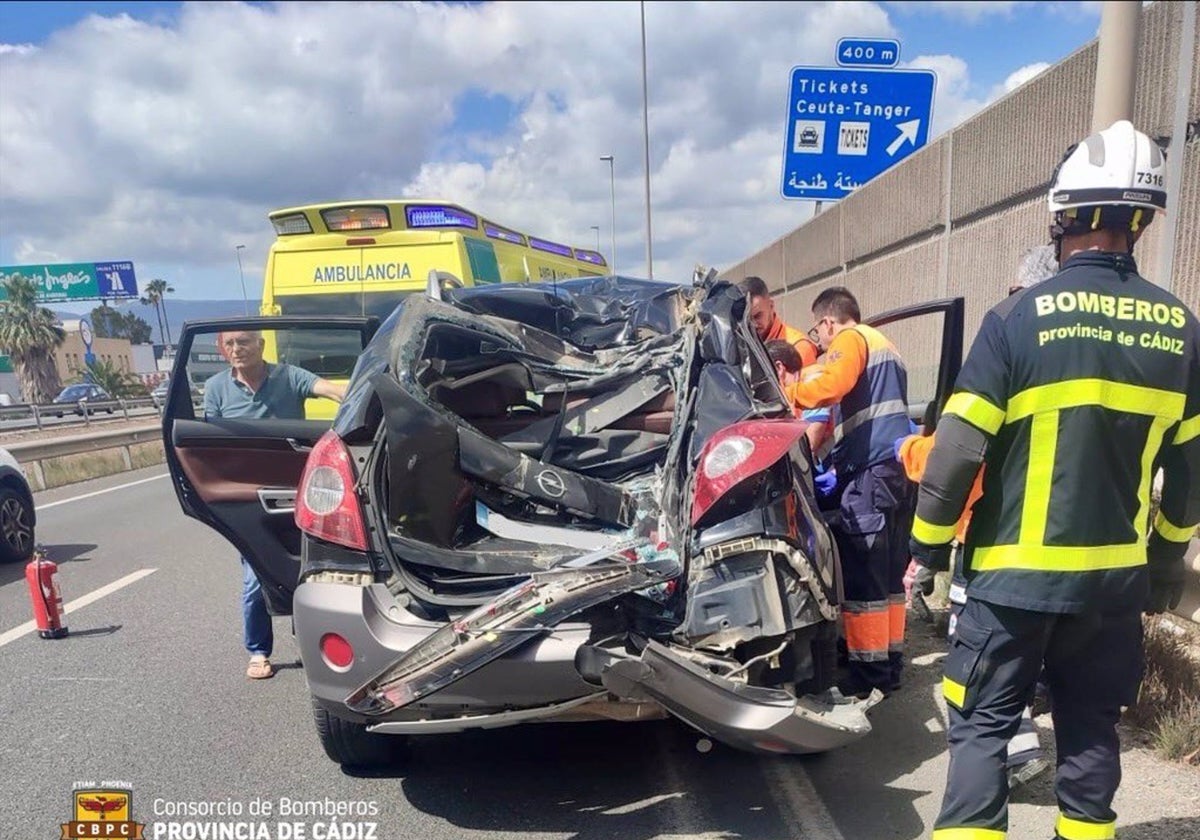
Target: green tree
(136, 329)
(29, 334)
(111, 323)
(156, 296)
(106, 322)
(106, 374)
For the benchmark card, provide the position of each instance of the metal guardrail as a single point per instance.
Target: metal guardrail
(30, 452)
(87, 410)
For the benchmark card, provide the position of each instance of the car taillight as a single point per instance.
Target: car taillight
(737, 452)
(326, 505)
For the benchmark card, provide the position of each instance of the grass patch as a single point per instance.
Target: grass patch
(1168, 706)
(146, 454)
(69, 469)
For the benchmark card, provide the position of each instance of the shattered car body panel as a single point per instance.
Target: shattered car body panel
(529, 457)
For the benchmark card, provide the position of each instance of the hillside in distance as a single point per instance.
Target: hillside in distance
(178, 311)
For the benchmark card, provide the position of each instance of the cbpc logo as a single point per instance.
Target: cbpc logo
(102, 812)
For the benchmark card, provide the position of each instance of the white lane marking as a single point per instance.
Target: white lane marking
(621, 810)
(800, 801)
(79, 603)
(40, 508)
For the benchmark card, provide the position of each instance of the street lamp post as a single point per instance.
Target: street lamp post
(646, 135)
(597, 229)
(245, 301)
(612, 187)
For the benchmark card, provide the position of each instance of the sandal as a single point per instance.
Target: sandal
(260, 669)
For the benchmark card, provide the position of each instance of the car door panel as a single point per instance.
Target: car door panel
(941, 348)
(231, 460)
(239, 475)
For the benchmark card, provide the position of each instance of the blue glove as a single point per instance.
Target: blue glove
(913, 429)
(826, 483)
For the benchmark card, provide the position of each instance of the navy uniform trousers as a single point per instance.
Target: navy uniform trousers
(1093, 666)
(871, 526)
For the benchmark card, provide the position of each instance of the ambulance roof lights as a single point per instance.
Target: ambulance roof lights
(593, 257)
(356, 218)
(291, 223)
(438, 215)
(497, 232)
(552, 247)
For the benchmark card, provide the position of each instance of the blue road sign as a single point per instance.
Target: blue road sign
(116, 280)
(867, 52)
(846, 126)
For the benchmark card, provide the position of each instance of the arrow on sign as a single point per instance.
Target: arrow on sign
(908, 131)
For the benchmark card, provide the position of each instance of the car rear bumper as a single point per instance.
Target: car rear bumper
(380, 629)
(540, 680)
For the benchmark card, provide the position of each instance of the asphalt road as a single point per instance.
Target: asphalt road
(149, 690)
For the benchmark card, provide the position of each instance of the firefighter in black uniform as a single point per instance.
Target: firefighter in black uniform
(1073, 394)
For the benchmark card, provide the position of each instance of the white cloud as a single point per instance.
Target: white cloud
(1020, 76)
(952, 101)
(168, 144)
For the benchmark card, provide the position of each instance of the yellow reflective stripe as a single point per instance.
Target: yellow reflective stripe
(976, 410)
(1154, 439)
(1058, 558)
(1035, 510)
(968, 834)
(1188, 429)
(931, 534)
(954, 692)
(1170, 532)
(1072, 829)
(1117, 396)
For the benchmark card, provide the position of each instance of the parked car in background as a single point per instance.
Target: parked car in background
(162, 389)
(578, 500)
(17, 517)
(82, 393)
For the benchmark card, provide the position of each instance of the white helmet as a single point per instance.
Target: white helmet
(1118, 166)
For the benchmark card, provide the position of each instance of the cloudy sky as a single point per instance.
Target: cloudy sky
(163, 133)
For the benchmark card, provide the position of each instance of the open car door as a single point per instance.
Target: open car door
(929, 337)
(238, 474)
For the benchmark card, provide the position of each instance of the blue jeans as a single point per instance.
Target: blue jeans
(257, 633)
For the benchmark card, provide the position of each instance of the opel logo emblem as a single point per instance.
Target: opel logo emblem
(551, 483)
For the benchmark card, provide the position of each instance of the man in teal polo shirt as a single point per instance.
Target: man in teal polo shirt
(255, 389)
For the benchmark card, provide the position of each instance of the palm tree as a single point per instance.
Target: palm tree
(30, 335)
(156, 296)
(110, 377)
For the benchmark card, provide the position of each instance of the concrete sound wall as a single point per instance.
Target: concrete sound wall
(954, 218)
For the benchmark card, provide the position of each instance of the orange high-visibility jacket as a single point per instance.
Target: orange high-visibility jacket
(803, 344)
(914, 453)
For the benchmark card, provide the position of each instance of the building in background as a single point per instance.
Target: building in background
(69, 356)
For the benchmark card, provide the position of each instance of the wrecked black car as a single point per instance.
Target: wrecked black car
(561, 501)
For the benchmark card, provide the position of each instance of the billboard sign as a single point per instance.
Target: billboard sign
(76, 281)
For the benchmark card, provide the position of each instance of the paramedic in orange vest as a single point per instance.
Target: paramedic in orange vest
(788, 367)
(864, 379)
(770, 326)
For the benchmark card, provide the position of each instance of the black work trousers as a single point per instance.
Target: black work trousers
(1093, 666)
(871, 526)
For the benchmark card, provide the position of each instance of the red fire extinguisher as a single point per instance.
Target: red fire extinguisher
(47, 600)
